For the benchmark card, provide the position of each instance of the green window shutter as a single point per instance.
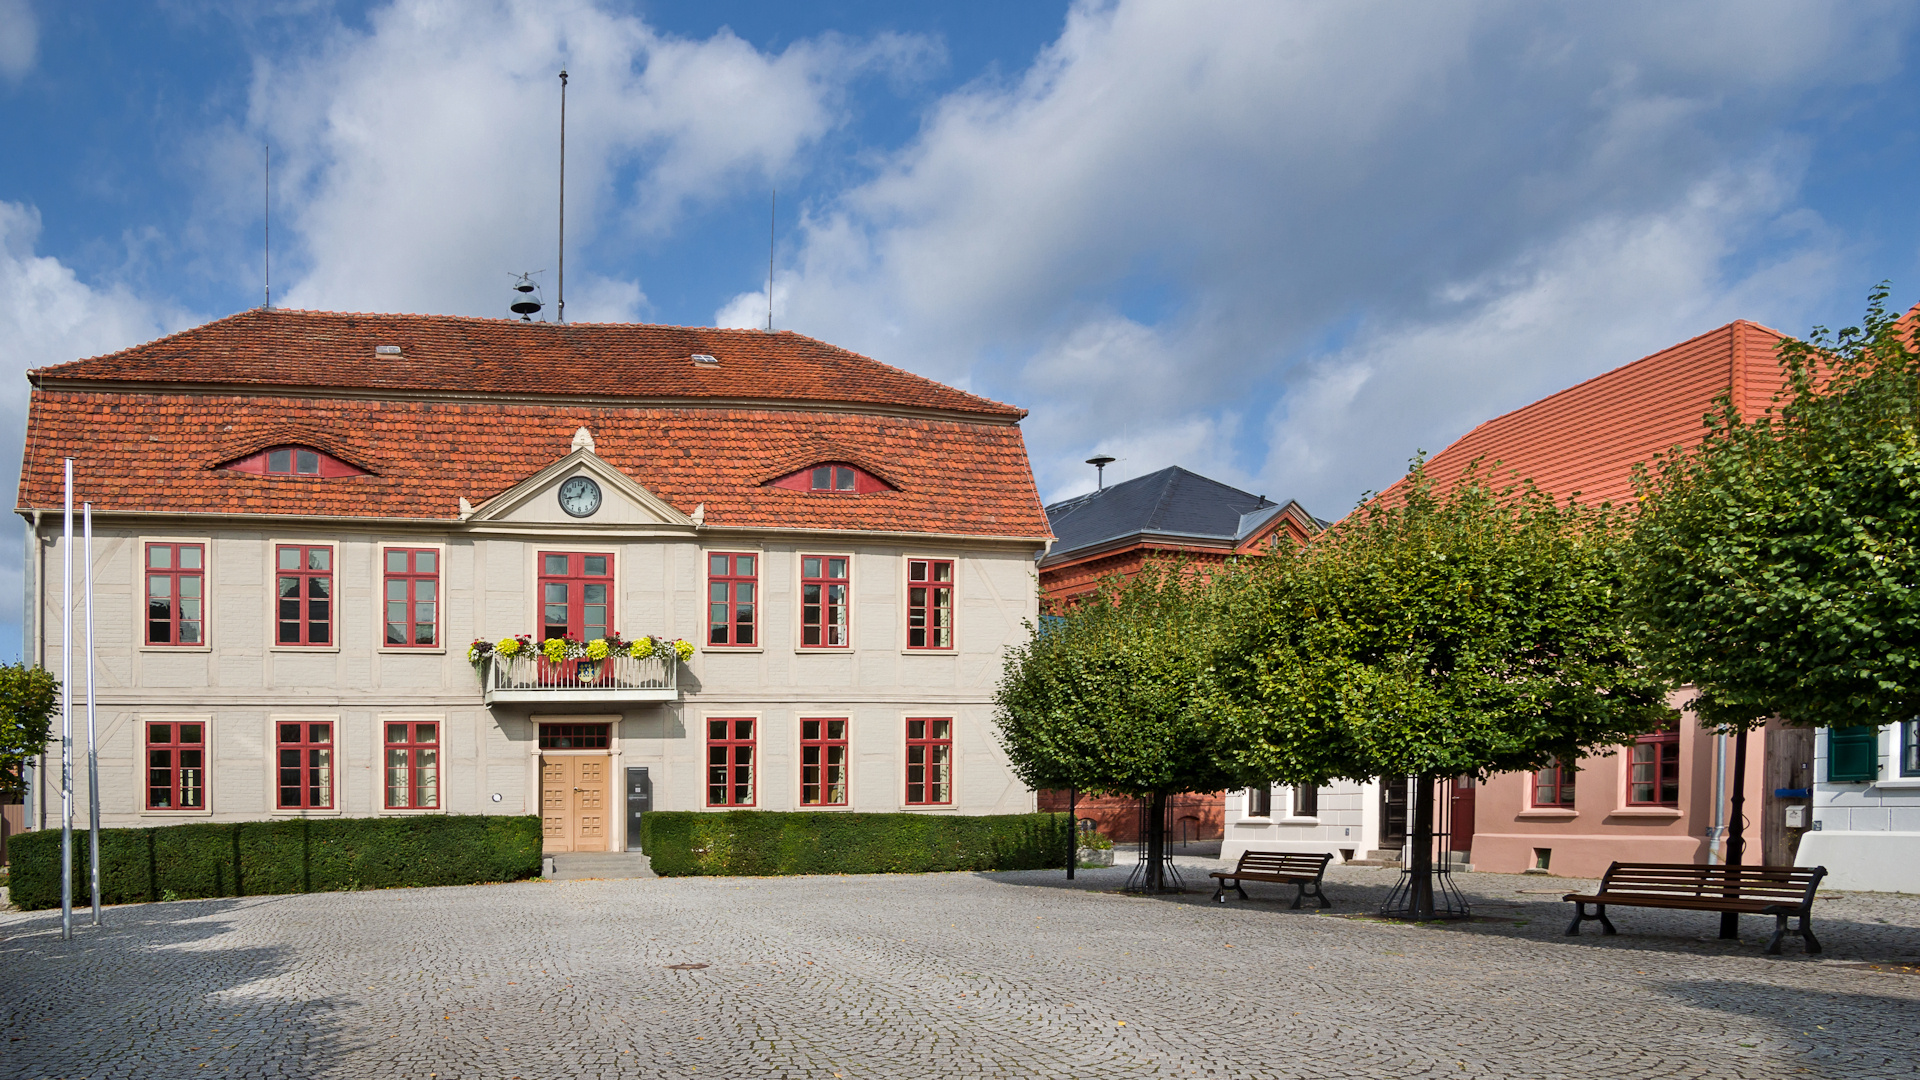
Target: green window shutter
(1853, 755)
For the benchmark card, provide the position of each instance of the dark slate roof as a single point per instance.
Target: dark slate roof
(1171, 504)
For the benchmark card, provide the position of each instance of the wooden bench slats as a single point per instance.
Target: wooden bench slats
(1780, 891)
(1299, 868)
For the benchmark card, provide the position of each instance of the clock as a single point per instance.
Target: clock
(580, 496)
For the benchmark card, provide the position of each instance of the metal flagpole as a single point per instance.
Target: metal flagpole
(93, 756)
(66, 720)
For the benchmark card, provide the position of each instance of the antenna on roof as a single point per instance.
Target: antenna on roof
(560, 313)
(1100, 463)
(266, 229)
(773, 209)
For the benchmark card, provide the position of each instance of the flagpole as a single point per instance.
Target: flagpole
(93, 755)
(66, 718)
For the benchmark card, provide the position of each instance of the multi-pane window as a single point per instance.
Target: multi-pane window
(730, 762)
(834, 478)
(929, 603)
(304, 594)
(1853, 755)
(293, 460)
(413, 765)
(1654, 770)
(1259, 802)
(576, 595)
(412, 597)
(1910, 748)
(575, 736)
(929, 761)
(1306, 801)
(304, 764)
(823, 601)
(823, 762)
(176, 766)
(176, 588)
(1553, 786)
(731, 584)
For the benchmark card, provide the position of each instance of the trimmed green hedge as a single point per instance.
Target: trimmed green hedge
(256, 858)
(758, 842)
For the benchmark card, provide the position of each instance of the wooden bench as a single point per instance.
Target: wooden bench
(1285, 867)
(1779, 891)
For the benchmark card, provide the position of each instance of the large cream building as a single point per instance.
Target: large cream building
(305, 523)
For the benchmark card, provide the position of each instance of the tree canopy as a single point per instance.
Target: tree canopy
(1775, 567)
(28, 697)
(1466, 632)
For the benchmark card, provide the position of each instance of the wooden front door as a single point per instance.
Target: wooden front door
(573, 803)
(1461, 814)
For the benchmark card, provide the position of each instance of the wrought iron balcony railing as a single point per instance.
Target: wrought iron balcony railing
(617, 678)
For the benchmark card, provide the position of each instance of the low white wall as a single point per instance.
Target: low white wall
(1867, 861)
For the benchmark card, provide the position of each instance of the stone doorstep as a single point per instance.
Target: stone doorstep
(579, 865)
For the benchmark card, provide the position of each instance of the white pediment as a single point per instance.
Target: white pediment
(624, 503)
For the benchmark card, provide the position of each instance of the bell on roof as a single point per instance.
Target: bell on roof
(526, 297)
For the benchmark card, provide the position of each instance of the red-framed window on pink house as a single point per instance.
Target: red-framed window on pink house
(576, 595)
(412, 598)
(823, 601)
(304, 764)
(730, 745)
(304, 594)
(176, 591)
(823, 762)
(929, 761)
(732, 582)
(1653, 776)
(176, 765)
(413, 765)
(1553, 786)
(929, 603)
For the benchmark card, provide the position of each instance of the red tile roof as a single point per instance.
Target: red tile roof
(1587, 438)
(441, 353)
(155, 448)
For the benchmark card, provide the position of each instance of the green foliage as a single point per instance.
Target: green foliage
(28, 698)
(1480, 631)
(1775, 567)
(758, 843)
(1106, 698)
(254, 858)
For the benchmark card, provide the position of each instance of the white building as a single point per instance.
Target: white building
(1866, 808)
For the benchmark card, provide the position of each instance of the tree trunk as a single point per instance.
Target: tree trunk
(1156, 842)
(1736, 827)
(1420, 854)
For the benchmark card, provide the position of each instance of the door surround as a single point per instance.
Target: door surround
(616, 818)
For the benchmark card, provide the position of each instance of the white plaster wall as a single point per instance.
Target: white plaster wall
(1345, 823)
(1866, 835)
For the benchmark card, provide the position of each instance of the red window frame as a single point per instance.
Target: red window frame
(303, 764)
(176, 594)
(929, 760)
(567, 583)
(730, 766)
(823, 761)
(176, 765)
(410, 604)
(412, 764)
(303, 594)
(930, 604)
(825, 585)
(1653, 769)
(1553, 786)
(732, 580)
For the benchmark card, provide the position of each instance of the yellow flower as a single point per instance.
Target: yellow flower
(641, 648)
(597, 649)
(507, 646)
(555, 648)
(684, 649)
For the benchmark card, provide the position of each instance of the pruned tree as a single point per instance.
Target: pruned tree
(1433, 635)
(28, 699)
(1105, 698)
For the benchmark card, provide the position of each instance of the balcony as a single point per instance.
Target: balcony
(617, 678)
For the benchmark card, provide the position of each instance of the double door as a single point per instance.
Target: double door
(574, 802)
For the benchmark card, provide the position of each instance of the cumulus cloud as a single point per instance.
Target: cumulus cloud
(1223, 235)
(19, 39)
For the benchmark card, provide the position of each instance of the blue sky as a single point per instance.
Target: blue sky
(1285, 245)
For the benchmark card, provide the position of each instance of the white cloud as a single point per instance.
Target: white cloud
(1222, 235)
(419, 157)
(51, 317)
(19, 39)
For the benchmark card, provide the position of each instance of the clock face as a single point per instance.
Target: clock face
(580, 496)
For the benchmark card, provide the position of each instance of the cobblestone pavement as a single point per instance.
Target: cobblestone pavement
(947, 975)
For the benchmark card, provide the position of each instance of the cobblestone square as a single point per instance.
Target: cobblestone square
(948, 975)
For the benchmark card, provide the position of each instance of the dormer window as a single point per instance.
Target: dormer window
(294, 460)
(833, 477)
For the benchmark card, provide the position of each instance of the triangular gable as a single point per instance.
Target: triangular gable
(624, 505)
(1292, 519)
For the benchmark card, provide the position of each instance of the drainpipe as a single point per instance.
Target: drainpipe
(35, 799)
(1718, 831)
